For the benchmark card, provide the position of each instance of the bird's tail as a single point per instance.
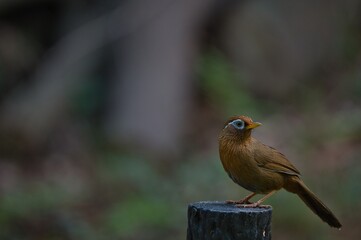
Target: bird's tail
(316, 205)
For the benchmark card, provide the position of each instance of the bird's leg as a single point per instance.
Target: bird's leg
(242, 201)
(258, 203)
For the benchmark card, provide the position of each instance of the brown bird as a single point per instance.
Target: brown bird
(262, 169)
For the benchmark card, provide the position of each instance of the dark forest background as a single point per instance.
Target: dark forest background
(110, 111)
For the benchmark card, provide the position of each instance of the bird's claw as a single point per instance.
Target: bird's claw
(252, 205)
(239, 202)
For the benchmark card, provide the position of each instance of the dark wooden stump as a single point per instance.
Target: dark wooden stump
(218, 220)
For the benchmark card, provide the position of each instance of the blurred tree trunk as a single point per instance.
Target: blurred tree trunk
(155, 42)
(153, 82)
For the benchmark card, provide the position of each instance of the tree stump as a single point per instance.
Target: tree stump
(218, 220)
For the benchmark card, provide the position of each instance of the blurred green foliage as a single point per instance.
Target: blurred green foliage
(137, 212)
(223, 86)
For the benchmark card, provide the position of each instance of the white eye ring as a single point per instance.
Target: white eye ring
(238, 124)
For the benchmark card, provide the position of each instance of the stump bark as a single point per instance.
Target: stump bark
(218, 220)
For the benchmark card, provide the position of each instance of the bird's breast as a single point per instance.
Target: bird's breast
(239, 162)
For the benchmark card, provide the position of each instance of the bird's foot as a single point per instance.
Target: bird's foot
(239, 202)
(252, 205)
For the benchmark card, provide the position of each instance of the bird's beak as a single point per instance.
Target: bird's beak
(253, 125)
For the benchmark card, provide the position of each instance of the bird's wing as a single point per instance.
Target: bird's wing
(270, 159)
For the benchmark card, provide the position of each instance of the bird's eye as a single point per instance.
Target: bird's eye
(238, 124)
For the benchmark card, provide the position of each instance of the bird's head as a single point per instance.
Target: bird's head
(239, 127)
